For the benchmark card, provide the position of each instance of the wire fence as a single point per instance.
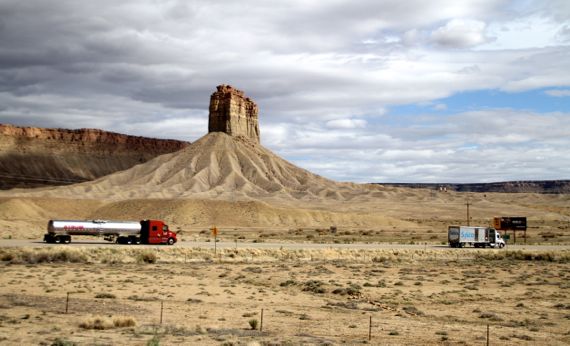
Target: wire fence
(194, 317)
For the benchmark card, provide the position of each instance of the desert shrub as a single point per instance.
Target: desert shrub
(491, 316)
(124, 321)
(62, 342)
(255, 270)
(412, 310)
(314, 286)
(288, 283)
(147, 257)
(341, 291)
(102, 323)
(353, 289)
(69, 255)
(105, 296)
(155, 341)
(35, 256)
(522, 337)
(98, 323)
(253, 324)
(142, 298)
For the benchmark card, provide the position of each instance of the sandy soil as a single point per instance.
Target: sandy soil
(308, 297)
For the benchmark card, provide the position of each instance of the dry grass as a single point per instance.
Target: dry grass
(314, 297)
(197, 255)
(102, 323)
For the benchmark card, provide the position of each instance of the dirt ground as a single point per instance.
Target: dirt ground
(319, 297)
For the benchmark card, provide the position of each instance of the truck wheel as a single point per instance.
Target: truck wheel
(501, 246)
(66, 240)
(129, 241)
(170, 241)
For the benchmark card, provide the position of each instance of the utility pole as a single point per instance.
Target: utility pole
(468, 204)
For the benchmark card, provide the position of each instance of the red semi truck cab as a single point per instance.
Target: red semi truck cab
(156, 232)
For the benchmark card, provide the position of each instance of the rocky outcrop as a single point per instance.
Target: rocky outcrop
(233, 113)
(104, 140)
(32, 156)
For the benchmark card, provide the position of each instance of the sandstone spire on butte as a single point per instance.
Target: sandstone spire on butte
(233, 113)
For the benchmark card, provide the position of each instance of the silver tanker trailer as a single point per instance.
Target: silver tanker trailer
(122, 232)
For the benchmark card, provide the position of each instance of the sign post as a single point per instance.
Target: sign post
(215, 234)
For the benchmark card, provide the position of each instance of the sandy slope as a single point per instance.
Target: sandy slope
(232, 182)
(216, 166)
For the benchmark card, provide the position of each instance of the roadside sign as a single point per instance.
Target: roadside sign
(214, 231)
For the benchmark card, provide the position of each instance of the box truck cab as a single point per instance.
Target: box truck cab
(460, 236)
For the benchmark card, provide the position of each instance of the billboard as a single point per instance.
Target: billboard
(515, 223)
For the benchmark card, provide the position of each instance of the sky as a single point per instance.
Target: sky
(414, 91)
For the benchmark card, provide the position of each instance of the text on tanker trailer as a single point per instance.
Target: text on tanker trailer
(459, 236)
(122, 232)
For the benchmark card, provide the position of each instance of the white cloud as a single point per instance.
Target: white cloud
(459, 33)
(346, 123)
(489, 145)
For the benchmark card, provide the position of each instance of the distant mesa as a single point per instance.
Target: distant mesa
(34, 157)
(233, 113)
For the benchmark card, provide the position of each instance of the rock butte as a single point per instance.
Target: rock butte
(233, 113)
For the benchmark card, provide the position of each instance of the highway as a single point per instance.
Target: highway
(34, 243)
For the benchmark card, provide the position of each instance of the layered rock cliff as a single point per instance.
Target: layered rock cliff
(31, 156)
(233, 113)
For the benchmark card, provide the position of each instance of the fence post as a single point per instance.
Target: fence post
(67, 303)
(487, 334)
(161, 309)
(370, 329)
(261, 324)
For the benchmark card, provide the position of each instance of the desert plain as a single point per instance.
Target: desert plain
(114, 295)
(64, 295)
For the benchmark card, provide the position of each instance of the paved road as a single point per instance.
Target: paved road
(291, 246)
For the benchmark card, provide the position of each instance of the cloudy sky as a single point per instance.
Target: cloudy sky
(365, 91)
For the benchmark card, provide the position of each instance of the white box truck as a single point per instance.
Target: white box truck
(460, 236)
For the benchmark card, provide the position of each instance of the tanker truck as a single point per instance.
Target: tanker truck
(121, 232)
(459, 236)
